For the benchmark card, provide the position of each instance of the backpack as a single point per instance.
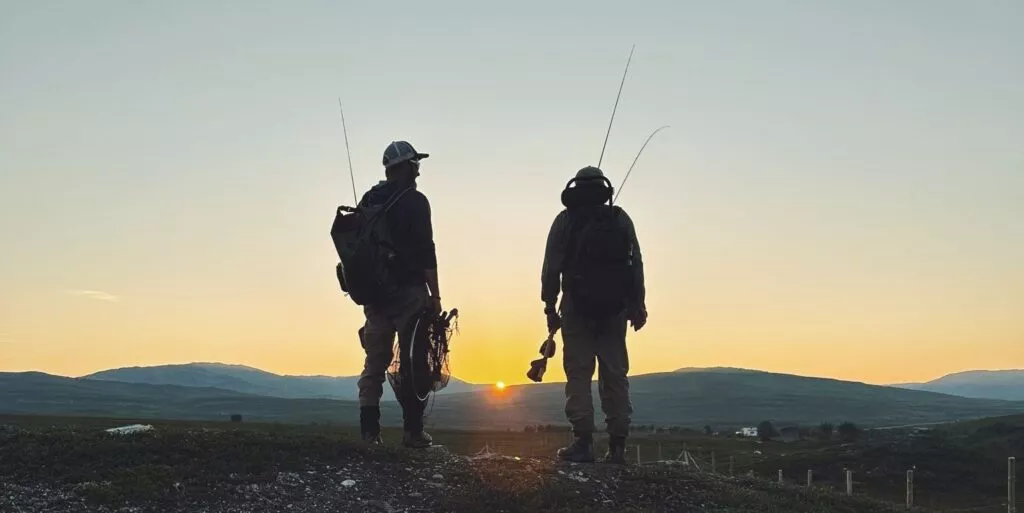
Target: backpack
(599, 266)
(365, 251)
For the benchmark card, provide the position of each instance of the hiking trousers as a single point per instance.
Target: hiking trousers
(600, 340)
(397, 315)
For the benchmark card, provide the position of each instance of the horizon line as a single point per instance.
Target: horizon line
(670, 371)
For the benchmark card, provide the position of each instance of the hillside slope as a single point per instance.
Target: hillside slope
(43, 394)
(249, 380)
(695, 398)
(691, 399)
(984, 384)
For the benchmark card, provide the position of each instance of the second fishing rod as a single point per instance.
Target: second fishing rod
(611, 122)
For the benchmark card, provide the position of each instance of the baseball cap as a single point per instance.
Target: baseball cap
(401, 151)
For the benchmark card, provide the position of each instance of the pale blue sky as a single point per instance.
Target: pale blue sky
(841, 179)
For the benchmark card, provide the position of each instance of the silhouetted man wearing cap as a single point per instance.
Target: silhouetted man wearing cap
(415, 272)
(592, 253)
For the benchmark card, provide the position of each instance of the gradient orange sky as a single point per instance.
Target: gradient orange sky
(841, 192)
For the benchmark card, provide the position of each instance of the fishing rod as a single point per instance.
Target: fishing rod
(348, 153)
(616, 107)
(623, 184)
(612, 121)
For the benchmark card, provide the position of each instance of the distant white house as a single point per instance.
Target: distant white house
(748, 432)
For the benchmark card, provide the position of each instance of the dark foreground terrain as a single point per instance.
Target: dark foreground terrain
(183, 468)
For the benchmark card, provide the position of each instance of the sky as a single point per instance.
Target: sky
(841, 191)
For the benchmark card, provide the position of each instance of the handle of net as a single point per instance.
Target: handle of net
(547, 347)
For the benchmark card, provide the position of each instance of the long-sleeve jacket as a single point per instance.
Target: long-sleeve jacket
(558, 247)
(411, 230)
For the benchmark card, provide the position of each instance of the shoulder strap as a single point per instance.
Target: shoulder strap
(395, 197)
(578, 221)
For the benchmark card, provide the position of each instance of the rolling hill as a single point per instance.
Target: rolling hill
(691, 398)
(732, 397)
(248, 380)
(983, 384)
(36, 393)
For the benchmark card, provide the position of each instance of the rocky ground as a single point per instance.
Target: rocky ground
(229, 471)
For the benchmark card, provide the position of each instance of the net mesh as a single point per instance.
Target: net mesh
(421, 364)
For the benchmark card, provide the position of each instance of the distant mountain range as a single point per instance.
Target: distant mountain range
(722, 398)
(984, 384)
(35, 393)
(725, 397)
(248, 380)
(726, 370)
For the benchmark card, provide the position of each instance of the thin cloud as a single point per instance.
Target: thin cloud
(94, 294)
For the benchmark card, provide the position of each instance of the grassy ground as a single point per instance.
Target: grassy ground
(957, 466)
(49, 464)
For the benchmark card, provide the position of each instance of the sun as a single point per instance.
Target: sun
(500, 385)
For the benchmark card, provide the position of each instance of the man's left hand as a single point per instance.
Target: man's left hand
(639, 318)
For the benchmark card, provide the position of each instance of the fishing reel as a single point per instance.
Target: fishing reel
(539, 366)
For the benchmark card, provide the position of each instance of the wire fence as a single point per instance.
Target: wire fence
(711, 464)
(730, 463)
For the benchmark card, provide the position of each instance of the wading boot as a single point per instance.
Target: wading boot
(417, 439)
(616, 454)
(369, 424)
(580, 451)
(412, 422)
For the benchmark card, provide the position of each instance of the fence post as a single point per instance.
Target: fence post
(731, 462)
(1011, 485)
(780, 477)
(810, 478)
(637, 454)
(910, 489)
(659, 453)
(849, 482)
(714, 465)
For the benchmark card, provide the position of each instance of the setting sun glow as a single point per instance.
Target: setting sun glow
(500, 385)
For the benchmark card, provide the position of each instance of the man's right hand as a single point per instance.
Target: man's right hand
(554, 320)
